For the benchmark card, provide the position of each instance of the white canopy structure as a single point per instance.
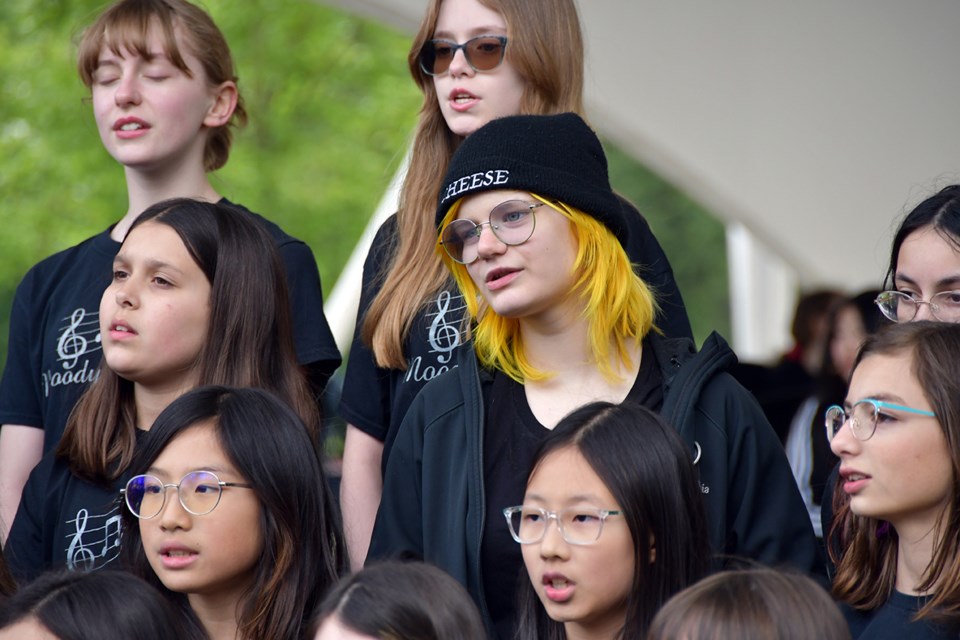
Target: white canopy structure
(808, 127)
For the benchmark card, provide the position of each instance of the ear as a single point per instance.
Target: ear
(653, 549)
(221, 110)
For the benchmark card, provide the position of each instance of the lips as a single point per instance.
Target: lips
(177, 556)
(461, 99)
(557, 587)
(500, 277)
(120, 329)
(130, 127)
(853, 480)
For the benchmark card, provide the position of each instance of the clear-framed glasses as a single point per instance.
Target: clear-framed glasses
(198, 491)
(483, 53)
(900, 306)
(512, 222)
(582, 525)
(863, 417)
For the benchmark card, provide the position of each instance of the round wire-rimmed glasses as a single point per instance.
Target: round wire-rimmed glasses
(900, 306)
(581, 525)
(863, 417)
(199, 493)
(512, 222)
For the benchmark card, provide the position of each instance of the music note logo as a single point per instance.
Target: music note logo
(76, 337)
(78, 556)
(443, 335)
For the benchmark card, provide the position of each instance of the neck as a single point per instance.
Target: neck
(602, 630)
(915, 547)
(148, 187)
(150, 400)
(217, 613)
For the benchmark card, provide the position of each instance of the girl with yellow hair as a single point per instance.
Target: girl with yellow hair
(534, 237)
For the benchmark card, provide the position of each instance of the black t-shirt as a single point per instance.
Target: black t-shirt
(376, 399)
(512, 435)
(65, 521)
(54, 348)
(893, 621)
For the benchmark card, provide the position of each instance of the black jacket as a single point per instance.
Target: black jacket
(433, 493)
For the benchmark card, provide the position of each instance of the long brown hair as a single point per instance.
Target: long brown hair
(248, 343)
(546, 48)
(867, 566)
(126, 25)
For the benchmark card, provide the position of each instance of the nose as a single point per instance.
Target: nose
(173, 515)
(459, 65)
(126, 295)
(844, 443)
(924, 311)
(488, 244)
(553, 545)
(128, 90)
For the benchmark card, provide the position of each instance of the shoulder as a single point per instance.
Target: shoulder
(92, 251)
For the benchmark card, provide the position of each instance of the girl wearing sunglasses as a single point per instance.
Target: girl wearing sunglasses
(534, 237)
(898, 439)
(237, 529)
(474, 61)
(198, 296)
(612, 524)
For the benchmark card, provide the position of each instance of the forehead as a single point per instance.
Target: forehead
(565, 474)
(890, 375)
(480, 204)
(156, 240)
(143, 37)
(928, 256)
(196, 447)
(467, 17)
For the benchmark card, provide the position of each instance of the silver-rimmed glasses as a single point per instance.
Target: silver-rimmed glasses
(512, 222)
(900, 306)
(198, 491)
(582, 525)
(863, 417)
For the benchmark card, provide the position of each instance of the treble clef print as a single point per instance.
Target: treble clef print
(444, 336)
(78, 556)
(72, 344)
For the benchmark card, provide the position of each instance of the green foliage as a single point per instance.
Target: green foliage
(692, 238)
(331, 107)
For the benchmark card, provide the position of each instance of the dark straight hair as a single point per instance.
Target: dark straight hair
(100, 605)
(303, 550)
(248, 341)
(408, 600)
(940, 212)
(645, 465)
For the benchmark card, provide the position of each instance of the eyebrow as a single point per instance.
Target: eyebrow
(882, 397)
(211, 468)
(152, 264)
(949, 281)
(570, 500)
(472, 33)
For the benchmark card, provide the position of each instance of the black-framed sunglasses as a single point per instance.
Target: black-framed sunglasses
(512, 222)
(199, 493)
(483, 53)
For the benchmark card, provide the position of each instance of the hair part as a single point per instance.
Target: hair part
(248, 341)
(645, 465)
(867, 567)
(617, 302)
(409, 600)
(553, 84)
(751, 603)
(74, 605)
(303, 549)
(126, 25)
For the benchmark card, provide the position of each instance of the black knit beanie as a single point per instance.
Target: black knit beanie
(558, 157)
